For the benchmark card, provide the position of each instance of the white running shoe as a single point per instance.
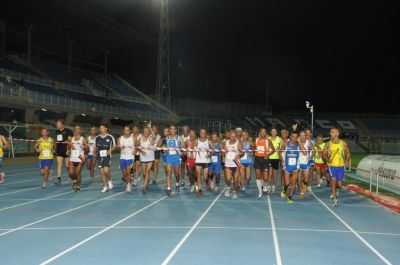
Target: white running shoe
(234, 195)
(273, 189)
(260, 195)
(2, 177)
(135, 181)
(50, 174)
(128, 188)
(110, 185)
(212, 184)
(105, 189)
(318, 185)
(264, 189)
(335, 203)
(227, 192)
(337, 193)
(268, 189)
(192, 188)
(309, 189)
(216, 188)
(197, 188)
(331, 196)
(44, 185)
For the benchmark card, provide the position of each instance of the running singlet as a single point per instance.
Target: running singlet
(216, 157)
(157, 140)
(45, 148)
(303, 159)
(104, 144)
(261, 147)
(148, 149)
(62, 137)
(277, 144)
(91, 144)
(77, 152)
(127, 144)
(336, 154)
(202, 152)
(173, 143)
(317, 153)
(231, 154)
(292, 157)
(246, 158)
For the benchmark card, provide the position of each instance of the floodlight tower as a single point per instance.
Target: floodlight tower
(311, 108)
(163, 92)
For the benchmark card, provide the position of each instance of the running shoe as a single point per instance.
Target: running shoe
(168, 193)
(273, 189)
(105, 189)
(302, 195)
(335, 203)
(283, 194)
(57, 182)
(192, 188)
(234, 195)
(44, 185)
(154, 182)
(110, 185)
(2, 177)
(207, 186)
(128, 188)
(227, 192)
(199, 193)
(177, 190)
(289, 200)
(77, 189)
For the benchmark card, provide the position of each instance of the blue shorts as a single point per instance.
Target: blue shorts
(89, 157)
(1, 162)
(45, 163)
(125, 163)
(291, 169)
(311, 163)
(164, 158)
(305, 166)
(246, 164)
(215, 168)
(173, 160)
(336, 172)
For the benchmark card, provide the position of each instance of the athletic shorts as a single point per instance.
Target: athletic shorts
(290, 170)
(173, 160)
(203, 165)
(104, 162)
(215, 168)
(137, 158)
(322, 166)
(274, 163)
(311, 163)
(62, 153)
(184, 158)
(305, 166)
(261, 163)
(233, 169)
(191, 162)
(1, 162)
(125, 163)
(75, 164)
(164, 158)
(157, 155)
(246, 164)
(89, 157)
(336, 173)
(44, 163)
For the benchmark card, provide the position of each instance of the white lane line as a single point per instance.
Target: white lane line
(38, 200)
(376, 252)
(18, 191)
(274, 235)
(58, 214)
(179, 245)
(99, 233)
(21, 181)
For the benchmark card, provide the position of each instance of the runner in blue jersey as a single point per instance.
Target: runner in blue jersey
(246, 161)
(216, 162)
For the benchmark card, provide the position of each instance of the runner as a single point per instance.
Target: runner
(320, 166)
(184, 138)
(3, 145)
(45, 147)
(136, 164)
(173, 159)
(157, 154)
(309, 137)
(264, 148)
(105, 144)
(337, 155)
(246, 161)
(91, 158)
(146, 148)
(216, 162)
(77, 147)
(284, 139)
(163, 144)
(126, 144)
(202, 161)
(234, 151)
(191, 161)
(274, 159)
(63, 136)
(305, 164)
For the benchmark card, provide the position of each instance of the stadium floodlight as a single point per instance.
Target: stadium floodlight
(311, 108)
(83, 114)
(43, 109)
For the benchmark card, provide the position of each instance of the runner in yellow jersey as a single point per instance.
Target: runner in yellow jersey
(320, 166)
(274, 159)
(337, 155)
(3, 145)
(45, 147)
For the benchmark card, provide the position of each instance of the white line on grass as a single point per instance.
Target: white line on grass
(99, 233)
(274, 235)
(376, 252)
(179, 245)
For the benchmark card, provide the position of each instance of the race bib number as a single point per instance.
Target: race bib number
(230, 156)
(260, 149)
(59, 138)
(172, 152)
(303, 160)
(103, 153)
(75, 153)
(214, 159)
(46, 152)
(292, 161)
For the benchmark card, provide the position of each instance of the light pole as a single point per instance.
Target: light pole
(311, 108)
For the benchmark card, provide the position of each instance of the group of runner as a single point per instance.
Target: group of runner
(201, 156)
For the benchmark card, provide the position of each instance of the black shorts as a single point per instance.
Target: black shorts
(261, 163)
(104, 161)
(137, 158)
(157, 155)
(233, 169)
(75, 164)
(184, 158)
(274, 163)
(203, 165)
(62, 153)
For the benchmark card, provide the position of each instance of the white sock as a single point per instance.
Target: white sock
(259, 185)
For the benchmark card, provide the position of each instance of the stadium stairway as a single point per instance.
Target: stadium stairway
(108, 88)
(362, 126)
(285, 120)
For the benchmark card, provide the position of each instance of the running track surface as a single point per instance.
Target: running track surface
(57, 226)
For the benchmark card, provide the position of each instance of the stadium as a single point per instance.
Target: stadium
(126, 70)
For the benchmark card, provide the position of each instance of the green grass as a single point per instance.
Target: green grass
(355, 160)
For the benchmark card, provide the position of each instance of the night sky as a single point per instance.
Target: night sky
(340, 56)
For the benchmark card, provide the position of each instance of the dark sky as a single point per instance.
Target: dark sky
(342, 56)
